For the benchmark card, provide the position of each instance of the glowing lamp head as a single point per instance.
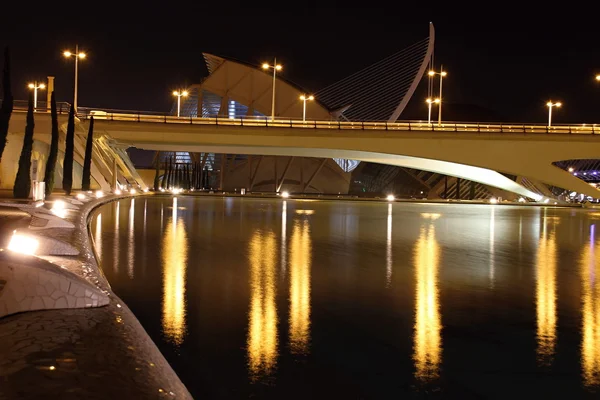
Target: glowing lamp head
(31, 86)
(81, 55)
(184, 93)
(302, 97)
(443, 73)
(390, 197)
(175, 93)
(598, 77)
(571, 169)
(278, 67)
(549, 104)
(559, 104)
(42, 86)
(311, 97)
(67, 53)
(431, 73)
(285, 195)
(265, 66)
(436, 101)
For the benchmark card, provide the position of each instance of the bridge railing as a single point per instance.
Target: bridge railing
(62, 107)
(85, 113)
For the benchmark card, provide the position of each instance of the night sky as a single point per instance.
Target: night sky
(509, 60)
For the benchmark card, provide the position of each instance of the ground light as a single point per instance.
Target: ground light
(22, 244)
(285, 195)
(132, 191)
(493, 200)
(99, 194)
(59, 209)
(146, 190)
(522, 200)
(390, 197)
(80, 196)
(118, 192)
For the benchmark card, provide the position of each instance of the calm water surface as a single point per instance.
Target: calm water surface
(324, 299)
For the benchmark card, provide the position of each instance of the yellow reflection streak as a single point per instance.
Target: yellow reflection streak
(131, 240)
(116, 252)
(174, 256)
(300, 288)
(388, 248)
(590, 310)
(545, 294)
(492, 250)
(262, 330)
(98, 237)
(428, 325)
(283, 237)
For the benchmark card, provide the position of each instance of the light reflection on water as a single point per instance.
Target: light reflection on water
(291, 294)
(262, 329)
(546, 293)
(174, 262)
(428, 320)
(301, 253)
(590, 311)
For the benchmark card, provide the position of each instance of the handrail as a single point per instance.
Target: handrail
(264, 121)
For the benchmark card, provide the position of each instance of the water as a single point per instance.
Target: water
(325, 299)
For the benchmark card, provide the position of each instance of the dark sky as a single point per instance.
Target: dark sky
(510, 58)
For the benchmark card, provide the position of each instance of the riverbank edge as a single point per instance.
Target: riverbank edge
(107, 351)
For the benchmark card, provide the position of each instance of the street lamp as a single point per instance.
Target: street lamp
(35, 88)
(598, 77)
(276, 67)
(77, 54)
(442, 74)
(550, 104)
(304, 98)
(179, 94)
(430, 103)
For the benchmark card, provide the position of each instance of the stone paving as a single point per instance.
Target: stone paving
(88, 353)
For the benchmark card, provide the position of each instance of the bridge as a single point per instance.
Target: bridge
(479, 152)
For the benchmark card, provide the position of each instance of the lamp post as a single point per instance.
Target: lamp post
(304, 98)
(429, 104)
(179, 94)
(550, 104)
(35, 88)
(77, 54)
(442, 74)
(276, 67)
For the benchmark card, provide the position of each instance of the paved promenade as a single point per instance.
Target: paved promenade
(85, 353)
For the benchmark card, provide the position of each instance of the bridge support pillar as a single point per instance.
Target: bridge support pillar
(222, 174)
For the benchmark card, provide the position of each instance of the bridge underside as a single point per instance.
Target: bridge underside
(481, 175)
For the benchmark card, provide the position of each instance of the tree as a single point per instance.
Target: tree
(87, 161)
(157, 172)
(68, 161)
(51, 162)
(22, 185)
(7, 102)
